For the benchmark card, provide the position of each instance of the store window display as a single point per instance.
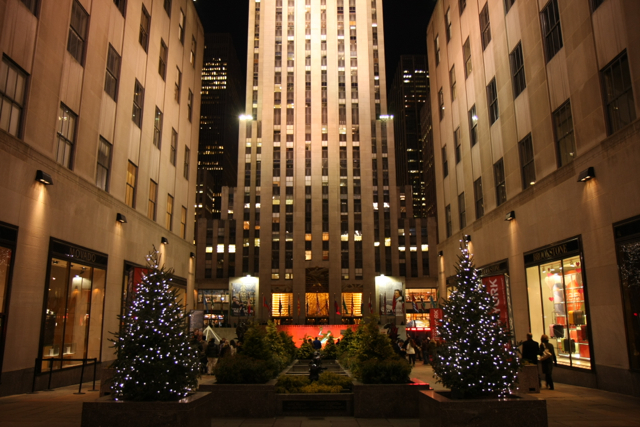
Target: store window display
(557, 308)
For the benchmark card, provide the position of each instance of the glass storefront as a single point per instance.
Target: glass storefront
(317, 308)
(417, 306)
(557, 301)
(74, 304)
(8, 237)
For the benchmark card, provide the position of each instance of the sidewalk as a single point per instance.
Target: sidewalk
(567, 406)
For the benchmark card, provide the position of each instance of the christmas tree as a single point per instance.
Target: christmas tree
(476, 357)
(155, 358)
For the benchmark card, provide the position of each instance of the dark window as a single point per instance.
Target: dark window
(178, 85)
(192, 54)
(145, 22)
(138, 104)
(478, 197)
(157, 128)
(32, 4)
(466, 51)
(492, 100)
(517, 70)
(104, 164)
(485, 26)
(112, 74)
(12, 88)
(153, 199)
(447, 214)
(66, 135)
(436, 43)
(441, 103)
(167, 7)
(445, 164)
(507, 5)
(187, 153)
(121, 5)
(174, 145)
(563, 124)
(457, 144)
(498, 177)
(162, 63)
(181, 25)
(473, 126)
(462, 211)
(551, 29)
(77, 31)
(618, 93)
(189, 105)
(461, 5)
(526, 162)
(447, 21)
(452, 79)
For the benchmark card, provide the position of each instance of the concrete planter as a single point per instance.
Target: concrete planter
(241, 400)
(315, 404)
(437, 410)
(528, 379)
(189, 412)
(388, 400)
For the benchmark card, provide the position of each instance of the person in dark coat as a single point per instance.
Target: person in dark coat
(317, 345)
(547, 364)
(530, 350)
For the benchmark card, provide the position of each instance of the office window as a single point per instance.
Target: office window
(189, 105)
(192, 54)
(120, 4)
(32, 4)
(618, 93)
(162, 63)
(167, 7)
(169, 215)
(498, 178)
(157, 128)
(181, 25)
(174, 147)
(452, 79)
(153, 197)
(178, 85)
(447, 21)
(447, 214)
(145, 22)
(485, 26)
(112, 74)
(445, 164)
(77, 31)
(12, 87)
(441, 103)
(466, 52)
(457, 144)
(138, 104)
(517, 70)
(565, 143)
(103, 167)
(492, 100)
(461, 5)
(551, 30)
(473, 126)
(507, 5)
(436, 43)
(186, 162)
(66, 135)
(462, 211)
(183, 223)
(478, 197)
(130, 193)
(526, 162)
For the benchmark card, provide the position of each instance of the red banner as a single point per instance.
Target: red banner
(435, 319)
(496, 287)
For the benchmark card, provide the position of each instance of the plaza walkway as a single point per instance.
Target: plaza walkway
(567, 406)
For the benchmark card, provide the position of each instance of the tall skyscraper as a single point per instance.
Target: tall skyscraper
(221, 105)
(319, 234)
(409, 92)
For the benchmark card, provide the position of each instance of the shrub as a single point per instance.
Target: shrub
(330, 351)
(333, 379)
(391, 371)
(291, 383)
(305, 351)
(315, 387)
(242, 369)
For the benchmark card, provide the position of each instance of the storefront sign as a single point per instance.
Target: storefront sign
(493, 269)
(77, 253)
(436, 316)
(552, 252)
(496, 287)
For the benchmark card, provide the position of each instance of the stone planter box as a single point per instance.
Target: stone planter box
(528, 379)
(437, 410)
(315, 404)
(241, 400)
(388, 400)
(189, 412)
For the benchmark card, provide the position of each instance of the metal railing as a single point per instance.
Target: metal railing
(51, 360)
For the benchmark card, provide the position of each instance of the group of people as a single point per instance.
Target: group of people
(542, 353)
(210, 351)
(415, 349)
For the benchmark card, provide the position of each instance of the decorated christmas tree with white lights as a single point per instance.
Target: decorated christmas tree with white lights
(155, 358)
(476, 357)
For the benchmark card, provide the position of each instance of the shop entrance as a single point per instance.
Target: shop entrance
(8, 237)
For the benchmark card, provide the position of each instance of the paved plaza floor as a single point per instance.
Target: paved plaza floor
(567, 406)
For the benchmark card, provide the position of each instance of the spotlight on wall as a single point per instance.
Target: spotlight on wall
(510, 216)
(467, 237)
(121, 218)
(192, 255)
(587, 174)
(164, 241)
(44, 177)
(440, 253)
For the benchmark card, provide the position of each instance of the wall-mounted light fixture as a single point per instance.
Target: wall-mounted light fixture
(440, 253)
(164, 241)
(510, 216)
(121, 218)
(44, 177)
(467, 237)
(192, 255)
(587, 174)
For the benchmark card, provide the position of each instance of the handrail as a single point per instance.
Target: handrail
(84, 361)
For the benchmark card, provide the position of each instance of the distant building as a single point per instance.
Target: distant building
(536, 146)
(98, 148)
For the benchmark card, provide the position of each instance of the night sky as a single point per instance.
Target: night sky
(405, 24)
